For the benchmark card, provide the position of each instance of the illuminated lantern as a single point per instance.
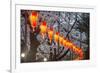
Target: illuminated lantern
(33, 19)
(43, 28)
(64, 42)
(78, 51)
(69, 45)
(75, 49)
(61, 40)
(81, 53)
(56, 37)
(50, 34)
(80, 56)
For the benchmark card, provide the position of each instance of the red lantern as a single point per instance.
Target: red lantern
(33, 19)
(56, 37)
(64, 42)
(50, 34)
(69, 45)
(43, 28)
(60, 40)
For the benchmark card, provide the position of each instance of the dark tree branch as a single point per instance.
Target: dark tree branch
(63, 55)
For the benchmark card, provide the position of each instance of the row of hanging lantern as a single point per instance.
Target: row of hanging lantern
(54, 35)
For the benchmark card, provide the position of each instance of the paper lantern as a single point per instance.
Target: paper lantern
(64, 42)
(69, 45)
(60, 40)
(50, 34)
(56, 37)
(43, 28)
(33, 19)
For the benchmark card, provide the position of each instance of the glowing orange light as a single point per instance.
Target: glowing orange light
(33, 19)
(64, 42)
(69, 45)
(61, 40)
(78, 51)
(74, 48)
(50, 34)
(56, 37)
(43, 28)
